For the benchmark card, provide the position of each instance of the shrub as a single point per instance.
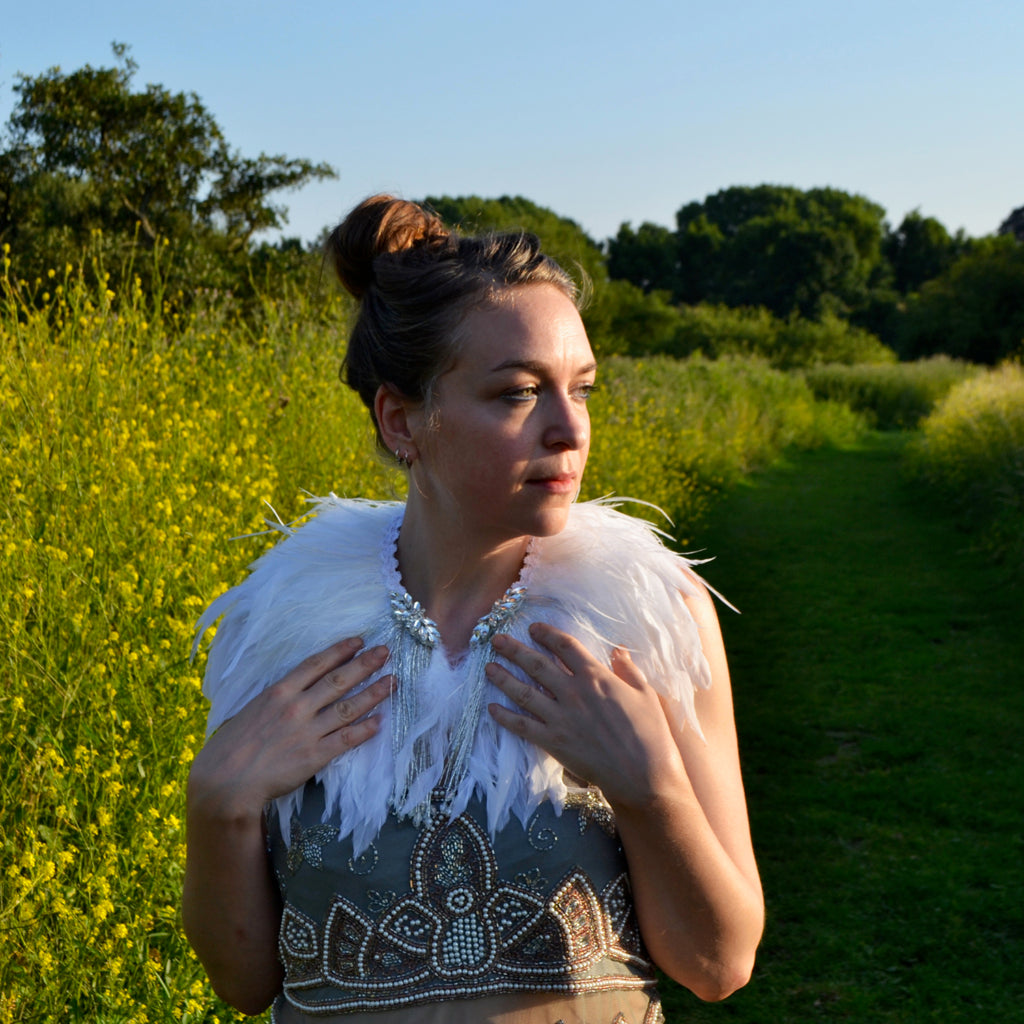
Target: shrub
(893, 395)
(722, 330)
(680, 432)
(971, 450)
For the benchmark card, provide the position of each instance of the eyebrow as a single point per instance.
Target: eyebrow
(533, 366)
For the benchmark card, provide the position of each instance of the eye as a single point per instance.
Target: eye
(526, 393)
(585, 391)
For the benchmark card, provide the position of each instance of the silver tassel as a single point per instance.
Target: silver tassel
(412, 640)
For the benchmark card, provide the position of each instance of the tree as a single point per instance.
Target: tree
(974, 310)
(619, 317)
(918, 250)
(810, 252)
(647, 257)
(83, 151)
(1014, 224)
(562, 238)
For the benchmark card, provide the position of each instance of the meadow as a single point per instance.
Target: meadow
(141, 451)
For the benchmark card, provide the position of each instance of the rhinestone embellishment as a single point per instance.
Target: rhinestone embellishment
(411, 616)
(501, 614)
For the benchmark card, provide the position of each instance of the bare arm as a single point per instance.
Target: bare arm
(230, 907)
(678, 800)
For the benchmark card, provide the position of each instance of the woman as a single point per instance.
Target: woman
(511, 782)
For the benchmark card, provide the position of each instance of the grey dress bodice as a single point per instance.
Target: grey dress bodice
(442, 912)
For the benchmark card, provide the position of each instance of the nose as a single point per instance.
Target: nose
(569, 426)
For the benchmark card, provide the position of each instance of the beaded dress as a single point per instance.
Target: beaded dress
(447, 870)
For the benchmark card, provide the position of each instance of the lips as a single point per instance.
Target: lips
(558, 483)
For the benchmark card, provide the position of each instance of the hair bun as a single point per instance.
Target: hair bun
(379, 225)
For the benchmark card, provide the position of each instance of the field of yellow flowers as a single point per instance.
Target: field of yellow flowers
(134, 444)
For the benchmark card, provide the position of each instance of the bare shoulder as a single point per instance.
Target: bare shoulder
(701, 604)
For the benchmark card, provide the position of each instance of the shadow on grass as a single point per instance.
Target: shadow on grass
(877, 668)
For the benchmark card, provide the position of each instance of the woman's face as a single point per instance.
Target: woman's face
(504, 442)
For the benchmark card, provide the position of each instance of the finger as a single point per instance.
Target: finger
(341, 680)
(342, 740)
(522, 725)
(316, 666)
(566, 648)
(348, 711)
(626, 669)
(528, 697)
(537, 665)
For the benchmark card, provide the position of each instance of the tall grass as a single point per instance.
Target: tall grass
(894, 396)
(971, 450)
(133, 444)
(680, 432)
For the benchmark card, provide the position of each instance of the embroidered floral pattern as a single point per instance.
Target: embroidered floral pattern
(307, 844)
(592, 809)
(461, 930)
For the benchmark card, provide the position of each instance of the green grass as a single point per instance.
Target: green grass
(970, 449)
(896, 396)
(877, 673)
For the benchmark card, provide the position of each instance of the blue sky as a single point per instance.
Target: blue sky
(605, 112)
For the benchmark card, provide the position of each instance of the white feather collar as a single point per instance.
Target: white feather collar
(606, 579)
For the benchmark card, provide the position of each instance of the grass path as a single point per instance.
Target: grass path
(878, 668)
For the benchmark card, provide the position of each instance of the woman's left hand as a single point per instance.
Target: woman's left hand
(605, 725)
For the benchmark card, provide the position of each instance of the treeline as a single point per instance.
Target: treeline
(142, 188)
(825, 253)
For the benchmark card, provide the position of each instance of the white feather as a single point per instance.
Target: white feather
(607, 579)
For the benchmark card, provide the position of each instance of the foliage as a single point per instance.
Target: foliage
(84, 152)
(133, 444)
(895, 396)
(794, 342)
(681, 433)
(646, 257)
(974, 310)
(619, 317)
(1014, 224)
(919, 250)
(971, 450)
(563, 238)
(810, 252)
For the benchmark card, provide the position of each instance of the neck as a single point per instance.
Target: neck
(455, 575)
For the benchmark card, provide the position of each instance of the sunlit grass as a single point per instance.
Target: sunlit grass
(892, 395)
(971, 449)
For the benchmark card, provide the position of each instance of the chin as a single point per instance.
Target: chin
(549, 523)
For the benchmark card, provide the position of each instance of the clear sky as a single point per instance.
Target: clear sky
(604, 112)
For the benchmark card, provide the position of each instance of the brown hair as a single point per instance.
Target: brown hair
(416, 281)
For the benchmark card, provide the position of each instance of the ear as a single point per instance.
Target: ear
(397, 418)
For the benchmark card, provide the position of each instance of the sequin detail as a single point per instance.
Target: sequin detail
(307, 844)
(592, 809)
(461, 930)
(412, 617)
(502, 612)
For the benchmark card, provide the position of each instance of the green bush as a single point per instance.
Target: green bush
(971, 450)
(894, 396)
(795, 342)
(680, 432)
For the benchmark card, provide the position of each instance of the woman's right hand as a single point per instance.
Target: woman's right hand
(291, 730)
